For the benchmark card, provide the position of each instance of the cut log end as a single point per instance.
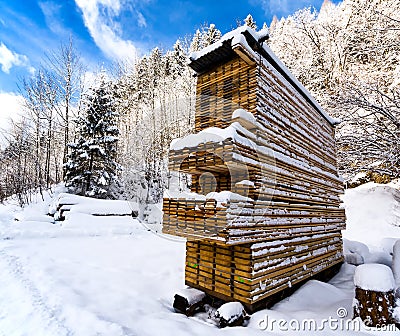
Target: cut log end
(374, 308)
(231, 314)
(189, 301)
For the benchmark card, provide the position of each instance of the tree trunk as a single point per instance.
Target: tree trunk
(89, 175)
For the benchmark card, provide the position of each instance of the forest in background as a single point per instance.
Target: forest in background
(346, 55)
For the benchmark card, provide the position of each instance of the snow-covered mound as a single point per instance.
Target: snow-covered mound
(152, 217)
(355, 253)
(373, 213)
(312, 301)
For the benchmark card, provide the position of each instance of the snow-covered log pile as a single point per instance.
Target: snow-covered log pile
(231, 314)
(374, 300)
(189, 300)
(265, 188)
(68, 203)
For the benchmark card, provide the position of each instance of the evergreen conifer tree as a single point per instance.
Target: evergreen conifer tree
(196, 41)
(249, 21)
(211, 35)
(92, 168)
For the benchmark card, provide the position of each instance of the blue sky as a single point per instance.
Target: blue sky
(106, 30)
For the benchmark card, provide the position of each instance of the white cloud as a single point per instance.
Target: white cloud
(51, 12)
(9, 58)
(11, 107)
(286, 7)
(98, 16)
(141, 20)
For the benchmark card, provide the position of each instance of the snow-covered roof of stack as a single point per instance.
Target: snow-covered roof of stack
(252, 42)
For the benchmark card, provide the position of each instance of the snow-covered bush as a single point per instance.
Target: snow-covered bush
(355, 253)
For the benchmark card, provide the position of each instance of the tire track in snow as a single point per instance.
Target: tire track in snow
(50, 315)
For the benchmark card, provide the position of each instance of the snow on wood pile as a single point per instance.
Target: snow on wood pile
(191, 295)
(355, 253)
(374, 298)
(257, 271)
(230, 310)
(239, 38)
(96, 207)
(230, 314)
(374, 277)
(258, 135)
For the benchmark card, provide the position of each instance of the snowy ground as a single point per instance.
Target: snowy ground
(111, 276)
(373, 213)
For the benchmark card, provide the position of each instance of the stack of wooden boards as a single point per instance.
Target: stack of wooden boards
(250, 273)
(280, 221)
(224, 89)
(69, 203)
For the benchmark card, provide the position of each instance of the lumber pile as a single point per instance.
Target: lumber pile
(251, 272)
(223, 90)
(69, 203)
(264, 211)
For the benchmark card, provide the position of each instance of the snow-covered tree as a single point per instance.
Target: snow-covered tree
(156, 100)
(196, 41)
(18, 165)
(249, 21)
(92, 168)
(210, 35)
(67, 71)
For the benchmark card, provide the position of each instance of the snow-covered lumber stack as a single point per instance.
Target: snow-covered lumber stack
(69, 203)
(264, 176)
(252, 272)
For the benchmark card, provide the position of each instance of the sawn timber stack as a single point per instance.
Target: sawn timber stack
(264, 210)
